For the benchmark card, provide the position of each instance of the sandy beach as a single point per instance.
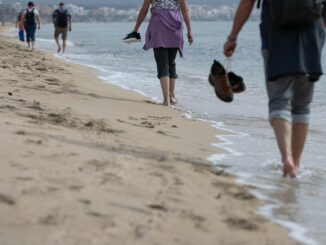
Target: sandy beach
(84, 162)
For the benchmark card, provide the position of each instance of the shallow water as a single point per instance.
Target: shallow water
(297, 204)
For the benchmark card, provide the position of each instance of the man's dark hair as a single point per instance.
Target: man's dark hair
(30, 4)
(61, 4)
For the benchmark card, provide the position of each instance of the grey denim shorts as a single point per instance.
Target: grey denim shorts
(289, 97)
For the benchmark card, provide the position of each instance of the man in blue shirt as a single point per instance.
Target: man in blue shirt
(292, 58)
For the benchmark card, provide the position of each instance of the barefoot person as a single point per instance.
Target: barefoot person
(165, 36)
(31, 21)
(62, 24)
(20, 27)
(291, 47)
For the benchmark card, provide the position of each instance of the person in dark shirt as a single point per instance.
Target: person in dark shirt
(292, 56)
(62, 24)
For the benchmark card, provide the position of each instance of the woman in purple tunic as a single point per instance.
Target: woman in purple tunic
(165, 36)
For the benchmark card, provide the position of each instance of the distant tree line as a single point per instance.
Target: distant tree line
(7, 13)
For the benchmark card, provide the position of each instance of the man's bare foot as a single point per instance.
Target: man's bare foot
(59, 49)
(289, 169)
(297, 164)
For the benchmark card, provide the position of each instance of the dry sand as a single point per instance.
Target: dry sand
(83, 162)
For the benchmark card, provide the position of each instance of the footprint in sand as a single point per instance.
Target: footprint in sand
(6, 199)
(95, 214)
(147, 124)
(52, 189)
(41, 68)
(158, 207)
(98, 165)
(151, 102)
(167, 134)
(49, 220)
(85, 201)
(75, 187)
(35, 106)
(101, 126)
(32, 141)
(241, 223)
(24, 178)
(21, 132)
(8, 107)
(53, 84)
(111, 178)
(243, 195)
(197, 219)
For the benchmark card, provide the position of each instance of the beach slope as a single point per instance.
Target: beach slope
(83, 162)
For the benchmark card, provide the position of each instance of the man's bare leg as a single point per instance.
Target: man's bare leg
(64, 45)
(58, 44)
(283, 133)
(299, 136)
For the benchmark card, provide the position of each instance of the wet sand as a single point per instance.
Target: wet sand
(83, 162)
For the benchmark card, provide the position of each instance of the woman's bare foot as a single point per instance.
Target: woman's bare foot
(174, 101)
(166, 103)
(289, 169)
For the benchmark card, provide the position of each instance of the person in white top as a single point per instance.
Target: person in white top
(31, 21)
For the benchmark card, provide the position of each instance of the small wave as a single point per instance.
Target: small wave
(297, 232)
(44, 40)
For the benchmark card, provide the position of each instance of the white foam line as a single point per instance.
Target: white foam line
(52, 41)
(108, 80)
(296, 231)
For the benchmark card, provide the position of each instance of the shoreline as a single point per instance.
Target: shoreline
(84, 129)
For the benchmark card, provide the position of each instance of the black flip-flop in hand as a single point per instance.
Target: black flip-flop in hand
(132, 37)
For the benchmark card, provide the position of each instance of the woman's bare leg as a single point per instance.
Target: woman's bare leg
(165, 84)
(173, 100)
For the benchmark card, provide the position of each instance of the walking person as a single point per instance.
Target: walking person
(62, 24)
(165, 36)
(20, 27)
(31, 22)
(292, 36)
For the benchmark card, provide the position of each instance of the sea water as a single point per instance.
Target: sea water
(299, 205)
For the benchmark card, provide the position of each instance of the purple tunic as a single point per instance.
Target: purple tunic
(165, 30)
